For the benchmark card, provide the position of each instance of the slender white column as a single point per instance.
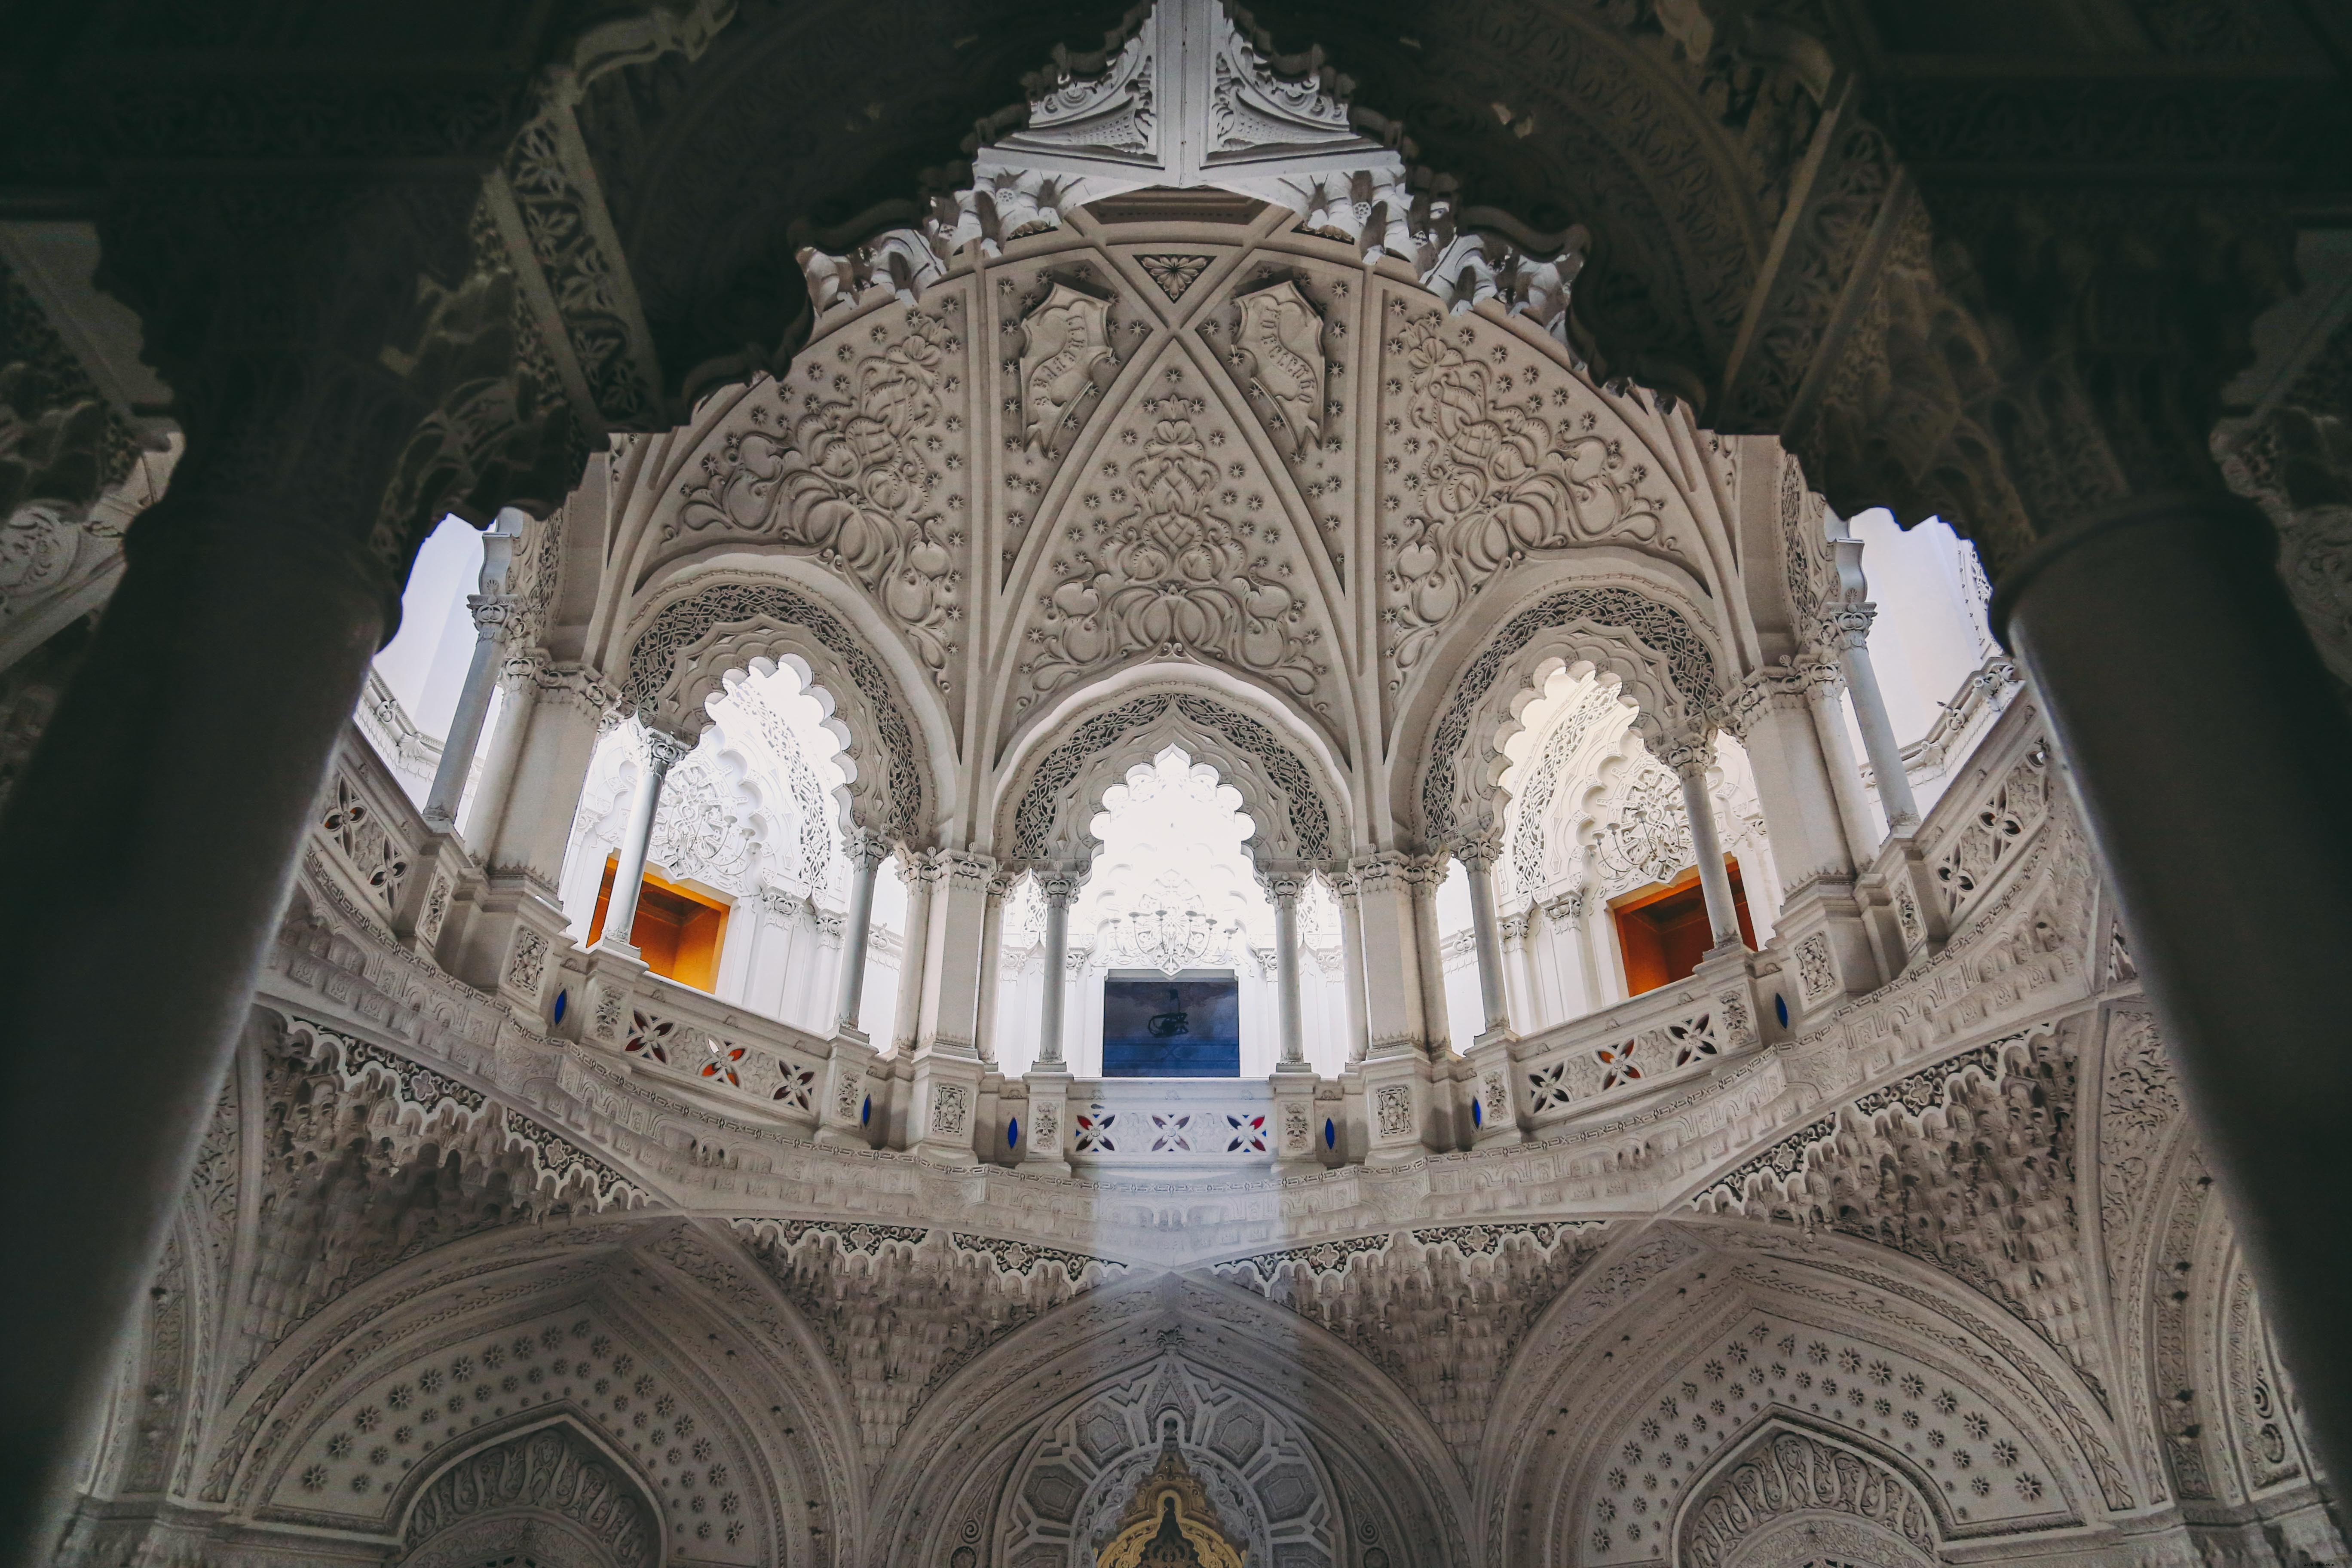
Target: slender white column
(1423, 878)
(494, 615)
(1057, 889)
(1284, 889)
(991, 950)
(662, 752)
(920, 870)
(1352, 960)
(1478, 857)
(1852, 630)
(1520, 994)
(865, 856)
(1825, 678)
(1690, 757)
(1564, 919)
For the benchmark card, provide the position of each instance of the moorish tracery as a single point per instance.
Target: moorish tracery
(1710, 1113)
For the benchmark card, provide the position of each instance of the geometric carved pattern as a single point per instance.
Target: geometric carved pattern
(371, 1159)
(900, 1309)
(551, 1469)
(1491, 480)
(1792, 1472)
(1968, 1165)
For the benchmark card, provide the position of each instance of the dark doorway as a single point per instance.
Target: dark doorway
(1184, 1028)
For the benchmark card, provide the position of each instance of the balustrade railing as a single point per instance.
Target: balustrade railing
(1171, 1123)
(366, 827)
(1657, 1037)
(1991, 812)
(367, 834)
(739, 1056)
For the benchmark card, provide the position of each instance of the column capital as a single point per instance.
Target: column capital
(567, 683)
(965, 868)
(865, 849)
(498, 617)
(1848, 625)
(1567, 909)
(1781, 684)
(1377, 873)
(1056, 885)
(1514, 927)
(1283, 886)
(1684, 754)
(1480, 849)
(664, 751)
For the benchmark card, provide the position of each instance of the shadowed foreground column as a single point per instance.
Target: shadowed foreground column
(2213, 764)
(145, 855)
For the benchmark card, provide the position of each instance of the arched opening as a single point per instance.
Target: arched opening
(746, 880)
(1171, 951)
(1598, 883)
(416, 678)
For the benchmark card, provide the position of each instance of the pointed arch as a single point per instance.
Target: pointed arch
(1790, 1476)
(551, 1490)
(1139, 1349)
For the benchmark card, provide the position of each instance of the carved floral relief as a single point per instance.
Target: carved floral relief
(1172, 555)
(860, 460)
(1486, 465)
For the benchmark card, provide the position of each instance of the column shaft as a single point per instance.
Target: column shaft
(1352, 963)
(1285, 891)
(991, 953)
(1058, 892)
(1877, 731)
(906, 1019)
(1427, 876)
(158, 824)
(865, 856)
(1393, 1021)
(2203, 742)
(465, 725)
(1493, 1004)
(1714, 880)
(1821, 686)
(629, 868)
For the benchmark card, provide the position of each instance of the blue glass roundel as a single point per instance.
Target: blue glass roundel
(1012, 1133)
(1781, 1007)
(1477, 1114)
(866, 1112)
(563, 1000)
(1330, 1134)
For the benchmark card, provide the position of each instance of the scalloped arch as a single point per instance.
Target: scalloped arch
(1299, 810)
(1663, 664)
(684, 650)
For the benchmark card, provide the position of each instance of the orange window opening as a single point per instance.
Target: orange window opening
(677, 930)
(1662, 933)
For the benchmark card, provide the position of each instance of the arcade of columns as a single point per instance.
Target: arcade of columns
(467, 302)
